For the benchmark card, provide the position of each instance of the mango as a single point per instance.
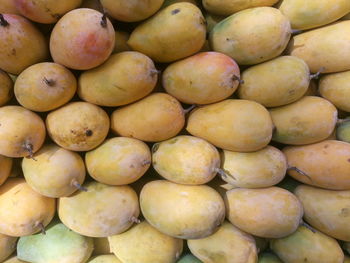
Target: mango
(101, 211)
(228, 244)
(277, 82)
(268, 257)
(82, 39)
(307, 246)
(78, 126)
(270, 212)
(93, 4)
(234, 125)
(326, 48)
(144, 243)
(22, 210)
(104, 259)
(204, 78)
(154, 118)
(7, 246)
(22, 132)
(124, 78)
(189, 258)
(14, 259)
(346, 259)
(343, 131)
(8, 7)
(121, 39)
(174, 32)
(182, 211)
(252, 36)
(262, 168)
(346, 17)
(170, 2)
(186, 160)
(325, 164)
(212, 20)
(6, 168)
(309, 120)
(313, 13)
(101, 246)
(6, 88)
(118, 161)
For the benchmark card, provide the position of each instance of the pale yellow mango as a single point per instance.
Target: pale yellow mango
(228, 244)
(6, 164)
(6, 88)
(101, 246)
(104, 259)
(7, 246)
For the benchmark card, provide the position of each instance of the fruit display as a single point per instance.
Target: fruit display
(174, 131)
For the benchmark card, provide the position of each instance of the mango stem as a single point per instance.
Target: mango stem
(223, 174)
(104, 20)
(189, 109)
(41, 226)
(76, 184)
(317, 74)
(240, 81)
(308, 226)
(49, 82)
(3, 21)
(299, 171)
(135, 220)
(29, 148)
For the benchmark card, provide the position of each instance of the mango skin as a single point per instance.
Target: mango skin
(189, 258)
(203, 78)
(8, 7)
(270, 212)
(343, 131)
(6, 168)
(277, 82)
(268, 257)
(228, 244)
(252, 36)
(308, 120)
(6, 88)
(104, 259)
(174, 32)
(14, 259)
(143, 243)
(121, 39)
(7, 246)
(182, 211)
(326, 48)
(313, 13)
(305, 246)
(326, 163)
(234, 125)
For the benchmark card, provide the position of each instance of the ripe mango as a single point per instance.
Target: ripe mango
(7, 246)
(104, 259)
(8, 7)
(170, 2)
(6, 88)
(6, 168)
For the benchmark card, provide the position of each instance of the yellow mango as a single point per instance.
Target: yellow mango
(324, 49)
(252, 36)
(175, 32)
(104, 259)
(6, 168)
(156, 117)
(121, 39)
(234, 125)
(262, 168)
(186, 160)
(228, 244)
(22, 210)
(305, 245)
(270, 212)
(7, 246)
(182, 211)
(310, 119)
(313, 13)
(6, 88)
(325, 164)
(170, 2)
(276, 82)
(8, 7)
(101, 246)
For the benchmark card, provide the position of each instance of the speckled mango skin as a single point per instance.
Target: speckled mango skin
(270, 212)
(313, 13)
(228, 244)
(6, 167)
(7, 246)
(326, 48)
(308, 120)
(252, 36)
(173, 33)
(6, 88)
(326, 163)
(235, 125)
(277, 82)
(182, 211)
(104, 259)
(305, 246)
(326, 210)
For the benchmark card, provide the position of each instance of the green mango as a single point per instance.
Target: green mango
(268, 257)
(189, 258)
(343, 130)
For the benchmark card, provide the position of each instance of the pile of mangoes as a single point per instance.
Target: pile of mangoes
(167, 131)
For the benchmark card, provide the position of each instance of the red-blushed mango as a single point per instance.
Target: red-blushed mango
(227, 244)
(101, 246)
(45, 11)
(21, 44)
(104, 259)
(186, 160)
(154, 118)
(270, 212)
(324, 164)
(175, 32)
(6, 88)
(252, 36)
(124, 78)
(118, 161)
(313, 13)
(228, 7)
(182, 211)
(7, 246)
(8, 7)
(262, 168)
(336, 88)
(234, 125)
(309, 120)
(277, 82)
(82, 39)
(22, 210)
(326, 210)
(326, 48)
(121, 39)
(102, 211)
(305, 245)
(6, 168)
(78, 126)
(45, 86)
(22, 132)
(144, 243)
(204, 78)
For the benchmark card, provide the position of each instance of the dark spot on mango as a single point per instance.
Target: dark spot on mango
(348, 159)
(326, 146)
(89, 133)
(345, 212)
(175, 11)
